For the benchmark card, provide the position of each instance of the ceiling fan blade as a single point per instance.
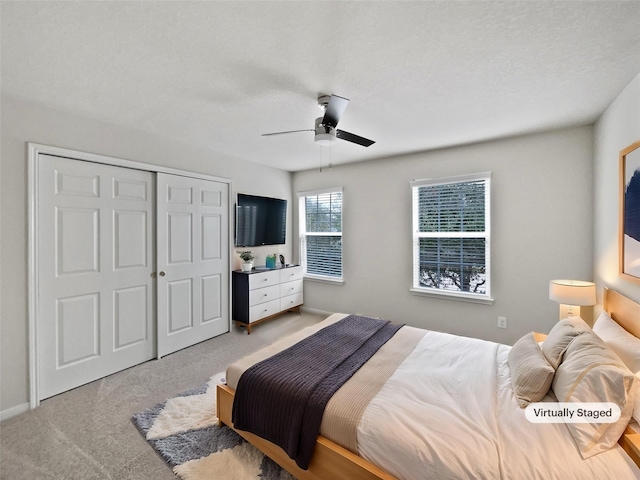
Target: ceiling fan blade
(334, 110)
(288, 131)
(350, 137)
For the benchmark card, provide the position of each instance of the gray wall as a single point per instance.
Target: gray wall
(542, 228)
(22, 123)
(616, 129)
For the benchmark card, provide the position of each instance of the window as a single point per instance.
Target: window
(451, 237)
(320, 227)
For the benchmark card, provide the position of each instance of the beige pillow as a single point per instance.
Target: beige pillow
(626, 346)
(531, 374)
(559, 338)
(592, 372)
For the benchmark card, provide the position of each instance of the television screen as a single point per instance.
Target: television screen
(260, 221)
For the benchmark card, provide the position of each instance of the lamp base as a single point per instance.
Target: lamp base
(586, 313)
(567, 311)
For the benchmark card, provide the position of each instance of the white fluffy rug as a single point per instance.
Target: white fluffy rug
(184, 431)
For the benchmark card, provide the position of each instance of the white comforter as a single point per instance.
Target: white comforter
(449, 412)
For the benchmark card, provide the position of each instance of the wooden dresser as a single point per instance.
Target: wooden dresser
(262, 294)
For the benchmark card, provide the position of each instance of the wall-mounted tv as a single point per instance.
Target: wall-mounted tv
(260, 221)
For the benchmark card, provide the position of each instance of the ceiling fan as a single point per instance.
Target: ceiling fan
(325, 127)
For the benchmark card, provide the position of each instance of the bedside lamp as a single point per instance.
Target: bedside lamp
(571, 295)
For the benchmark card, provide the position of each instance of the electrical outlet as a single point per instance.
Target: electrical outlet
(502, 322)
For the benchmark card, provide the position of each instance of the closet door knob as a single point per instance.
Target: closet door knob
(162, 274)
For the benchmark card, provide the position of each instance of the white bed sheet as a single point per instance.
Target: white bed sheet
(430, 421)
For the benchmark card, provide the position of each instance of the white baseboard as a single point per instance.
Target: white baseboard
(13, 411)
(315, 311)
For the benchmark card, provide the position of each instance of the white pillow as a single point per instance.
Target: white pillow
(591, 372)
(626, 346)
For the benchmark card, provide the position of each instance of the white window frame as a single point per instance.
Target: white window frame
(484, 298)
(303, 234)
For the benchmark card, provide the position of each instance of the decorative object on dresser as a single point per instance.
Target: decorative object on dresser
(261, 295)
(247, 260)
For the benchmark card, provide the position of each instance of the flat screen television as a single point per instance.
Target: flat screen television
(260, 221)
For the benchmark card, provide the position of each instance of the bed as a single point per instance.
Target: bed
(429, 432)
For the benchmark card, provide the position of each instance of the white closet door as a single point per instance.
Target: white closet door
(193, 269)
(96, 297)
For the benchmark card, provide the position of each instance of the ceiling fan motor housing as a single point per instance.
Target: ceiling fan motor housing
(323, 101)
(325, 134)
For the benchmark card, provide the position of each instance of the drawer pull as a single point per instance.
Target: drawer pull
(266, 295)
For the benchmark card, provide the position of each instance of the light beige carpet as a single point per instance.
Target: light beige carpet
(86, 433)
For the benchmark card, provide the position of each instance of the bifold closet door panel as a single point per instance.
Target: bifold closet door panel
(192, 261)
(95, 258)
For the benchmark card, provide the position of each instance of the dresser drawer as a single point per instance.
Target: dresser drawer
(290, 301)
(264, 279)
(290, 274)
(266, 294)
(290, 288)
(264, 310)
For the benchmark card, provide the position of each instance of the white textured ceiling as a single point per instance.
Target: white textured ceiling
(420, 75)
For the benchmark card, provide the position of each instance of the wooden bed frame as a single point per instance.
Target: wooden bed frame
(332, 461)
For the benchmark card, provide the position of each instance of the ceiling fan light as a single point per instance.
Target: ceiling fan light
(324, 133)
(324, 138)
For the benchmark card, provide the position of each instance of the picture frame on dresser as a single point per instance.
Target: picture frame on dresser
(629, 213)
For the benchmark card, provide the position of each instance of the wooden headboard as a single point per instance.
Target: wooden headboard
(623, 310)
(626, 313)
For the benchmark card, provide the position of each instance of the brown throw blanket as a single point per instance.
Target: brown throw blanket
(282, 398)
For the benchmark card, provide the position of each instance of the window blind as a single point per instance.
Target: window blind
(320, 227)
(451, 234)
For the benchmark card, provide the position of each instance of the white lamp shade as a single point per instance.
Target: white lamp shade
(572, 292)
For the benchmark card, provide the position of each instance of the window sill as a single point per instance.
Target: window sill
(333, 281)
(458, 297)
